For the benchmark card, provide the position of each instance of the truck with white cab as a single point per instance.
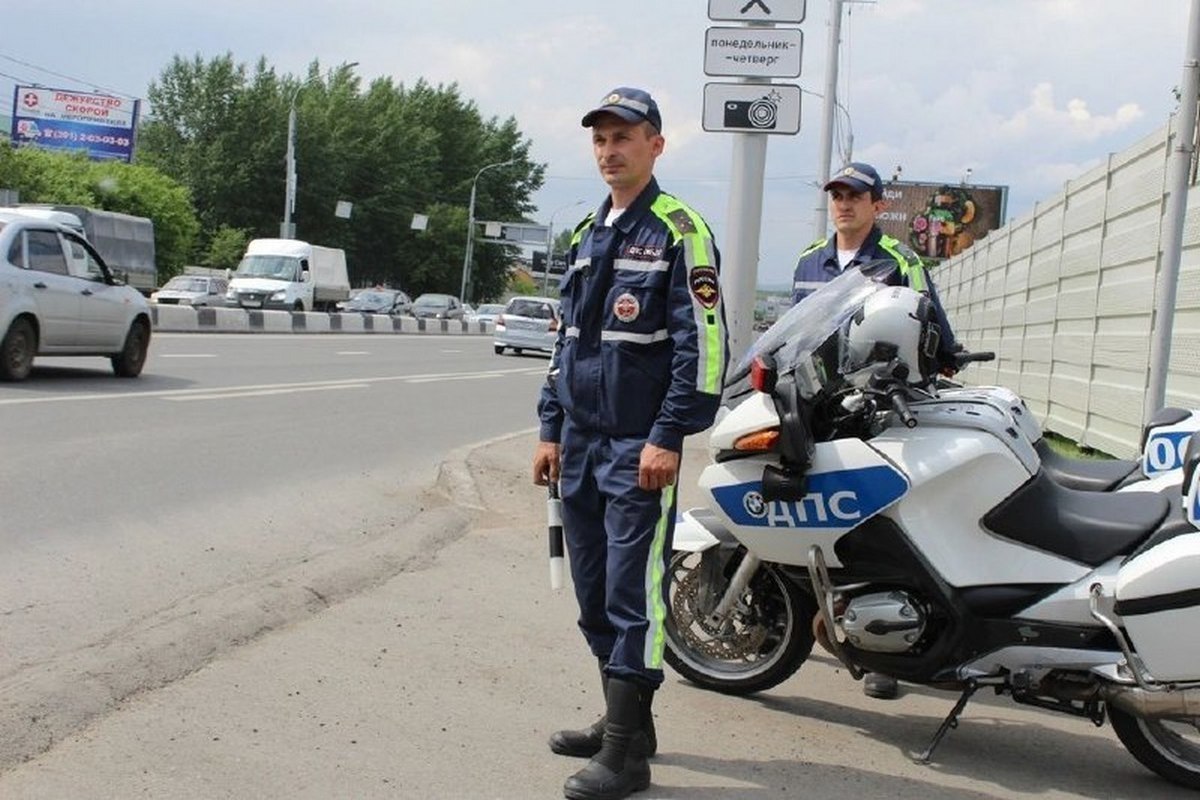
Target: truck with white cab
(289, 274)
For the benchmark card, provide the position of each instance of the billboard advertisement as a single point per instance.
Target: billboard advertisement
(61, 119)
(940, 220)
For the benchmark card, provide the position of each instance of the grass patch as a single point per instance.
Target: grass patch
(1066, 447)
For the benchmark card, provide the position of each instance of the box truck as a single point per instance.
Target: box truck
(125, 242)
(289, 274)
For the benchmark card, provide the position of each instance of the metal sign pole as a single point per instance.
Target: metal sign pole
(739, 273)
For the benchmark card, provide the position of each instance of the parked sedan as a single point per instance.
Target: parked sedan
(528, 323)
(58, 297)
(437, 306)
(378, 301)
(192, 290)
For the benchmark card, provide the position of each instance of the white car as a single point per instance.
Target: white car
(528, 323)
(192, 290)
(57, 297)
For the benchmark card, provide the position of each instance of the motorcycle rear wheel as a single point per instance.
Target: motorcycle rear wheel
(768, 639)
(1168, 747)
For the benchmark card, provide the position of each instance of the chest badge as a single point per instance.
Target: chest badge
(626, 307)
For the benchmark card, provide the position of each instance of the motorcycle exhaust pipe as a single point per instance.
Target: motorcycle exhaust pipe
(1179, 704)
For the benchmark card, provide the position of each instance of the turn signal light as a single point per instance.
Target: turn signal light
(757, 442)
(553, 326)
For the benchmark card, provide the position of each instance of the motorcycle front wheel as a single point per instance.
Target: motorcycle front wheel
(1170, 748)
(763, 641)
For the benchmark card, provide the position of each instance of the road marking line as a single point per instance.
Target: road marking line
(234, 395)
(172, 393)
(354, 352)
(185, 355)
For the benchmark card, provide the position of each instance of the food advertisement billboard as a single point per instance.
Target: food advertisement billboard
(940, 220)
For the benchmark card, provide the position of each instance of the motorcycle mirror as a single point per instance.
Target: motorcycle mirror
(763, 373)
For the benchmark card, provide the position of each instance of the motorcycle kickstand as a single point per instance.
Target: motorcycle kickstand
(951, 721)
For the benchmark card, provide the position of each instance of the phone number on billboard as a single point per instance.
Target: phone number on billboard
(86, 138)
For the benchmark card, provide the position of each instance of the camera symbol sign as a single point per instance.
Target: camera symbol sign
(752, 108)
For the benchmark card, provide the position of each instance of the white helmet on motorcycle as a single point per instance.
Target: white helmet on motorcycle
(894, 324)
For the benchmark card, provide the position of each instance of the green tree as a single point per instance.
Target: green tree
(226, 247)
(42, 176)
(391, 150)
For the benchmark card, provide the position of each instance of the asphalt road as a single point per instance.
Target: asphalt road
(146, 523)
(445, 680)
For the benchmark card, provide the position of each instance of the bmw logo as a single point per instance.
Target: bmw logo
(754, 505)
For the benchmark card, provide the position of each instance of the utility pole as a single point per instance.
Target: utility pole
(1179, 164)
(821, 209)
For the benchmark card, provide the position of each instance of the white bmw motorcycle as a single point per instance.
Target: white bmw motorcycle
(917, 534)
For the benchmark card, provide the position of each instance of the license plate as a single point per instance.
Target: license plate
(251, 303)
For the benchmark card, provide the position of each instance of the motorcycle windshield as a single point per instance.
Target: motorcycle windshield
(814, 319)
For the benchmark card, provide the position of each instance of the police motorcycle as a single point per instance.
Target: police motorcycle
(917, 535)
(1159, 467)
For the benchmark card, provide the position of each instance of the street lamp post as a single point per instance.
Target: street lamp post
(286, 229)
(550, 245)
(462, 292)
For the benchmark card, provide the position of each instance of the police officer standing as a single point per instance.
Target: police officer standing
(855, 200)
(639, 364)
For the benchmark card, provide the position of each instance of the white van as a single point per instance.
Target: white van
(289, 274)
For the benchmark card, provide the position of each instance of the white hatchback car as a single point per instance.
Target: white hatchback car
(57, 297)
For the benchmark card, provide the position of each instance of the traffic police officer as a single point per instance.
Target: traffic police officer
(639, 364)
(855, 199)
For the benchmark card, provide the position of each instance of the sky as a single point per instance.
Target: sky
(1026, 94)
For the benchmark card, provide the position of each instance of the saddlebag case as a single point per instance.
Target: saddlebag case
(1158, 599)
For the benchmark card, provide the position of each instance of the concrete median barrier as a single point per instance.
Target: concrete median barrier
(184, 319)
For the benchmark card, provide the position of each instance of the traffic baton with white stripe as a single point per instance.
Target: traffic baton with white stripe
(554, 524)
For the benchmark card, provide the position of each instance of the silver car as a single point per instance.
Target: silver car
(57, 297)
(528, 323)
(192, 290)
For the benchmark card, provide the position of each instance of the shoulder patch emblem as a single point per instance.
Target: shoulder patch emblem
(704, 286)
(682, 221)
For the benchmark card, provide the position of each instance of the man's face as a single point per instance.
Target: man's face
(853, 212)
(625, 151)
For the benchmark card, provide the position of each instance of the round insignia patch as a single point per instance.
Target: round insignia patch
(755, 505)
(626, 308)
(612, 99)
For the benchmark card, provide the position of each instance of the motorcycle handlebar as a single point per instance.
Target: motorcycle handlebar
(900, 406)
(962, 358)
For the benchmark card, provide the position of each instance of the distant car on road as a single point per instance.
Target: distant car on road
(59, 298)
(191, 290)
(378, 301)
(437, 306)
(487, 312)
(528, 323)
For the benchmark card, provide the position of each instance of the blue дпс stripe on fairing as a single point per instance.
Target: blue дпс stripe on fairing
(839, 499)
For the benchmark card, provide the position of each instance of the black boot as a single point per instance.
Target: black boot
(586, 743)
(619, 769)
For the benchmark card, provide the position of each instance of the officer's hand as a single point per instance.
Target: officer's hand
(545, 463)
(658, 467)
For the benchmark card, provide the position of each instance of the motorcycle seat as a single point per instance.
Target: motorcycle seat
(1088, 527)
(1099, 475)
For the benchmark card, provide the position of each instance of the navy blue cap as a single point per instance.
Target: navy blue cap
(631, 105)
(858, 176)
